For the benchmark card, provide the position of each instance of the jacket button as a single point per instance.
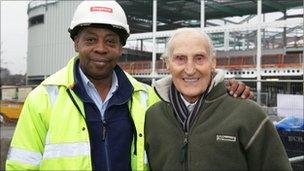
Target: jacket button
(140, 135)
(83, 128)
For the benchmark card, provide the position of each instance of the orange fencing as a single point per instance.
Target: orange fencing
(240, 62)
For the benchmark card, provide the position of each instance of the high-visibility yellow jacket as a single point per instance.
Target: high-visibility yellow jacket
(51, 134)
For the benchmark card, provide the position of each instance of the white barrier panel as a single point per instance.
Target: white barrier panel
(290, 105)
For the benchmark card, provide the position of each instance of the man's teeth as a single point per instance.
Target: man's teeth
(190, 79)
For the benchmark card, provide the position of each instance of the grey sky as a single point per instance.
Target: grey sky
(14, 36)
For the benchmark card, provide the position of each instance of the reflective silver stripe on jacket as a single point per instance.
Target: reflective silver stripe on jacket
(24, 156)
(66, 150)
(144, 96)
(143, 100)
(53, 93)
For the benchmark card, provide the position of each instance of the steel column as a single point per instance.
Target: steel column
(202, 14)
(153, 73)
(258, 57)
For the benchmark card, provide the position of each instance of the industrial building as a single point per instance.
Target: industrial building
(255, 40)
(248, 44)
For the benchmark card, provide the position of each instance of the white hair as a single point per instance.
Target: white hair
(186, 30)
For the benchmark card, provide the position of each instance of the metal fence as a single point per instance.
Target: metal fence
(281, 99)
(270, 89)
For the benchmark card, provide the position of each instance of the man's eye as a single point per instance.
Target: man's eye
(180, 59)
(200, 59)
(90, 40)
(111, 41)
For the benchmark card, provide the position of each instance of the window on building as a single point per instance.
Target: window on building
(38, 19)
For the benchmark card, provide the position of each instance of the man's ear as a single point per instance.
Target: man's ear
(76, 43)
(164, 58)
(167, 63)
(120, 50)
(213, 62)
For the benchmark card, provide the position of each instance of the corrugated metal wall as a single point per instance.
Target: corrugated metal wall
(49, 44)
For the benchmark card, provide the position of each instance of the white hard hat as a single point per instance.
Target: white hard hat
(100, 13)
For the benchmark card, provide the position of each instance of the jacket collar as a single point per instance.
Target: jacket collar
(162, 86)
(125, 88)
(63, 77)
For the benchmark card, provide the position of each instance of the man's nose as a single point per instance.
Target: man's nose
(190, 68)
(101, 47)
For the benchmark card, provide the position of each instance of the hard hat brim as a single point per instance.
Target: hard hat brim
(120, 31)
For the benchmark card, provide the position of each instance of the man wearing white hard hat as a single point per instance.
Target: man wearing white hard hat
(90, 114)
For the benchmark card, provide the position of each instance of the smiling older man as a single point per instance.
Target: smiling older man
(199, 126)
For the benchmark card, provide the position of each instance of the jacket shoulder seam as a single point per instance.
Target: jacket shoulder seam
(256, 133)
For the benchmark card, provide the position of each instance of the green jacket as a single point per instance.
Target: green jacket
(227, 134)
(51, 134)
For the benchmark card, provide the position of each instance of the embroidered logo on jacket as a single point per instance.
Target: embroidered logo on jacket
(225, 138)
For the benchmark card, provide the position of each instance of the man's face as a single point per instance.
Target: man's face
(98, 50)
(190, 65)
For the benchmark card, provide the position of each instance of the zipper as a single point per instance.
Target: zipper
(186, 144)
(103, 130)
(82, 114)
(104, 133)
(104, 139)
(184, 150)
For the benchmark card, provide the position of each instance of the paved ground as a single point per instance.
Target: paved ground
(6, 133)
(7, 130)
